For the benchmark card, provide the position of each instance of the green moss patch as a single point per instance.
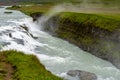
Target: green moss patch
(27, 67)
(32, 9)
(96, 20)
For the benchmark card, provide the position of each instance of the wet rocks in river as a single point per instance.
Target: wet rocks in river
(8, 12)
(24, 27)
(18, 41)
(10, 35)
(82, 75)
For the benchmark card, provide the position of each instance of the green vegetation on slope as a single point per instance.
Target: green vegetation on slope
(109, 22)
(27, 67)
(32, 9)
(95, 20)
(95, 33)
(85, 29)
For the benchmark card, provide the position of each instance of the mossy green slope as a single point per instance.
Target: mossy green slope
(28, 10)
(94, 33)
(27, 67)
(97, 20)
(85, 29)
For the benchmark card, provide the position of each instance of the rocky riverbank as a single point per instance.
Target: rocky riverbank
(97, 34)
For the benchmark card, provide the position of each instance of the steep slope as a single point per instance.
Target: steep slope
(96, 34)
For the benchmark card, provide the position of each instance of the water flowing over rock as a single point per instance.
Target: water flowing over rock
(83, 75)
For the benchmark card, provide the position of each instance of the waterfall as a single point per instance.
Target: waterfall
(57, 55)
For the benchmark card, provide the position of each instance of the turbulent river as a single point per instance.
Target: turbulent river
(58, 56)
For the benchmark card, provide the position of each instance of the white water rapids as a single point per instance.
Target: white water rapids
(58, 56)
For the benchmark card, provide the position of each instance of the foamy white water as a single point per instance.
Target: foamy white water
(57, 55)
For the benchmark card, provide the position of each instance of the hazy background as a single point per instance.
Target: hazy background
(105, 2)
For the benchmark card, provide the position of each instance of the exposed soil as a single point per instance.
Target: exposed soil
(6, 70)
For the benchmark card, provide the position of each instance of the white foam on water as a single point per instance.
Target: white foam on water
(110, 78)
(55, 62)
(57, 55)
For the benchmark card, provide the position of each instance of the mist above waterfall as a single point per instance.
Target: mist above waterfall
(85, 6)
(53, 11)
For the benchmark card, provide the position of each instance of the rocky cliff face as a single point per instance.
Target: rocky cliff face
(99, 42)
(95, 34)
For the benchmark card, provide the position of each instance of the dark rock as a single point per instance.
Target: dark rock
(24, 27)
(36, 15)
(10, 35)
(33, 36)
(8, 12)
(83, 75)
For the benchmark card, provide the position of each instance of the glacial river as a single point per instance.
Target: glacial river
(57, 55)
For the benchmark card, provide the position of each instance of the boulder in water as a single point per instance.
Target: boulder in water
(7, 12)
(83, 75)
(24, 27)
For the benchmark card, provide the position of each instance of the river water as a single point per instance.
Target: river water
(57, 55)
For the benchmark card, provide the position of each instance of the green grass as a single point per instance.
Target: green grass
(32, 9)
(85, 29)
(106, 22)
(27, 67)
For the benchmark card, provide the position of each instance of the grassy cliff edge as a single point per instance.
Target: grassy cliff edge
(93, 33)
(24, 67)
